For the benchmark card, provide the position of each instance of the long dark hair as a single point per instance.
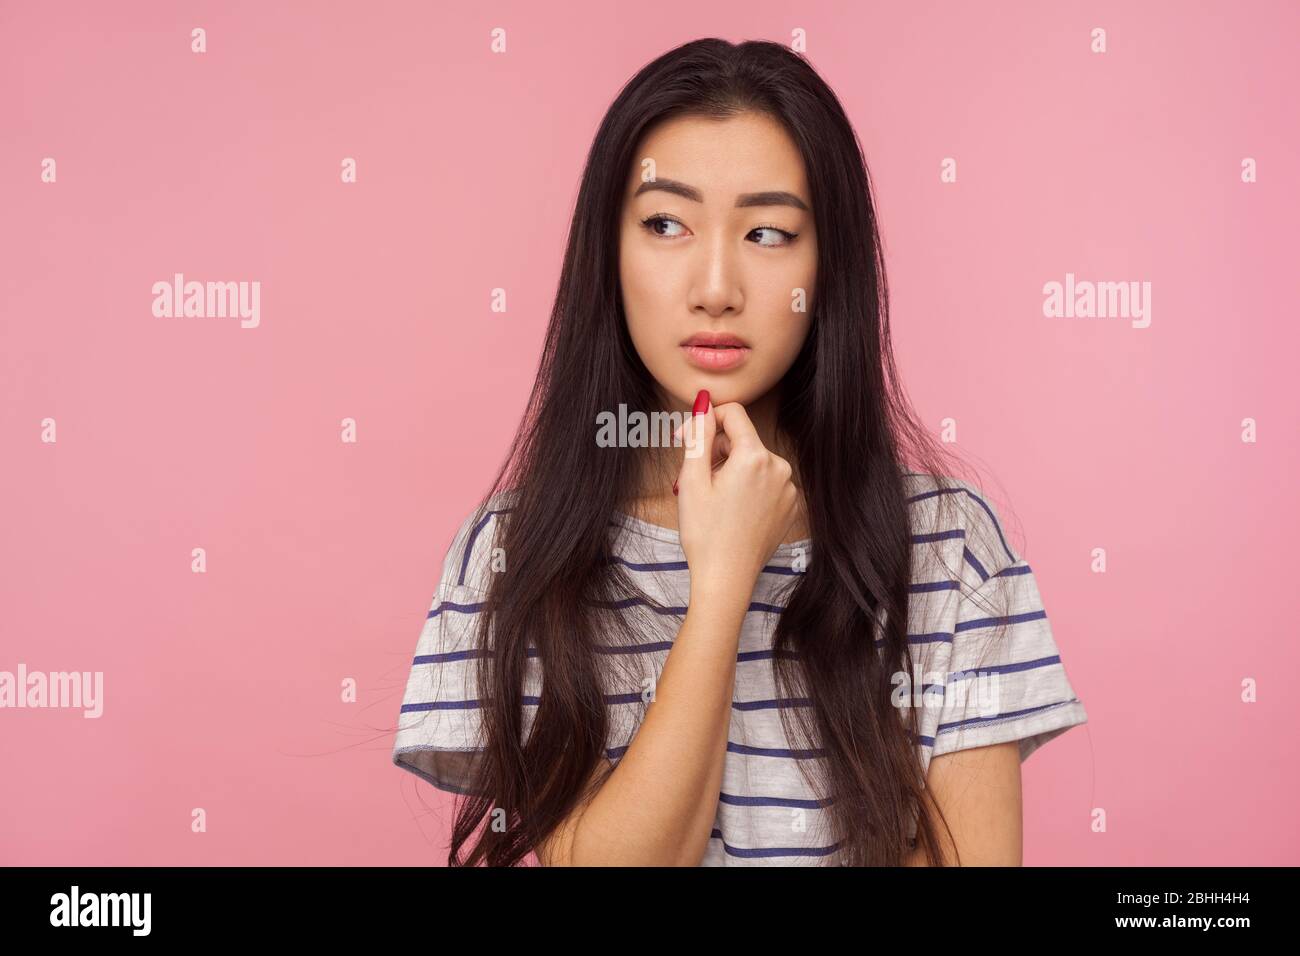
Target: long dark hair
(854, 436)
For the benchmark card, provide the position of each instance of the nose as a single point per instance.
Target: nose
(716, 287)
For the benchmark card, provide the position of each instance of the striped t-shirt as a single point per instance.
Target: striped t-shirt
(978, 690)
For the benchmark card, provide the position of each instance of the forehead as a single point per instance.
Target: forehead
(749, 152)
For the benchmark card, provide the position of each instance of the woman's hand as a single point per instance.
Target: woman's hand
(731, 519)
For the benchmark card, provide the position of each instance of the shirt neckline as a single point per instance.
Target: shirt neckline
(659, 532)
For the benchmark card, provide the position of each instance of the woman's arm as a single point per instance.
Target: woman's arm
(658, 806)
(978, 791)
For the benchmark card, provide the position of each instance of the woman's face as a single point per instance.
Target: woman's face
(720, 242)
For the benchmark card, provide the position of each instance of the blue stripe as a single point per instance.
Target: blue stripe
(974, 562)
(450, 606)
(773, 851)
(1009, 715)
(647, 648)
(989, 511)
(1039, 615)
(739, 801)
(933, 492)
(766, 654)
(928, 586)
(930, 536)
(653, 566)
(448, 657)
(938, 637)
(783, 752)
(771, 704)
(1010, 668)
(440, 705)
(469, 545)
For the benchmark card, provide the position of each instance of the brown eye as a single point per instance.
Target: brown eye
(651, 223)
(785, 237)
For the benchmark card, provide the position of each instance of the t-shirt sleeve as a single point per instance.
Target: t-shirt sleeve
(439, 735)
(1005, 679)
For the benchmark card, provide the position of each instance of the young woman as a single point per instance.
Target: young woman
(787, 638)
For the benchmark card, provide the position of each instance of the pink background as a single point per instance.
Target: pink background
(222, 690)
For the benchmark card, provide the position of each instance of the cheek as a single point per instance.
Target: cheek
(783, 336)
(648, 296)
(636, 283)
(789, 338)
(639, 310)
(646, 285)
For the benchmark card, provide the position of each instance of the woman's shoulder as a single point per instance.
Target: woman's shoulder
(475, 552)
(946, 507)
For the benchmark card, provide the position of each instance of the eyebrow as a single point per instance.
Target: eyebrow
(770, 198)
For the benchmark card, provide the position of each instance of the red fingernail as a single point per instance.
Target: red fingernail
(674, 486)
(701, 402)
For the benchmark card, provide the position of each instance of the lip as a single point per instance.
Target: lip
(716, 339)
(715, 359)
